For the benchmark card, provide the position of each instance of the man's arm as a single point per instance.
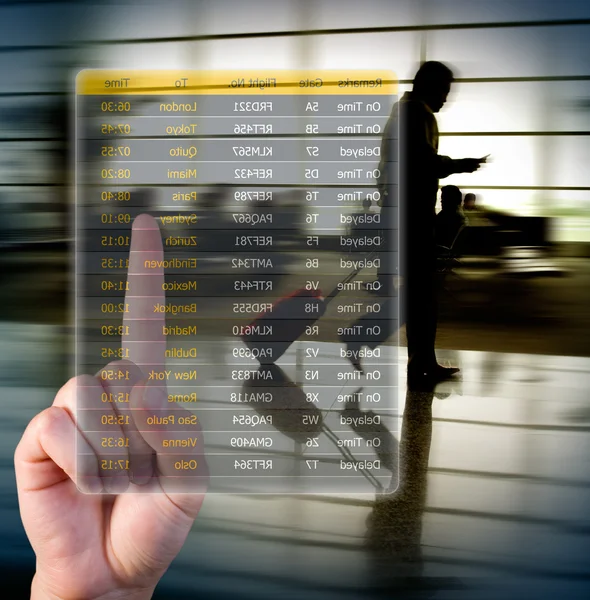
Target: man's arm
(422, 150)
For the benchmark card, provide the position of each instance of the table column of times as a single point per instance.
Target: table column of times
(261, 184)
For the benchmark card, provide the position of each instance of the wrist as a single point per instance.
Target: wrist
(41, 592)
(143, 594)
(38, 592)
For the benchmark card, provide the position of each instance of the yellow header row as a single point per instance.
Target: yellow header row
(265, 82)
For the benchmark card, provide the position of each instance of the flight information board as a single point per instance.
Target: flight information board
(231, 251)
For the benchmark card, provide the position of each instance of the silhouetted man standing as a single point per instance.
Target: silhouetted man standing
(420, 168)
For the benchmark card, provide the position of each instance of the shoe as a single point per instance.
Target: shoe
(430, 375)
(441, 373)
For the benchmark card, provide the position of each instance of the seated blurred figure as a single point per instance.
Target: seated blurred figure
(477, 215)
(469, 202)
(450, 220)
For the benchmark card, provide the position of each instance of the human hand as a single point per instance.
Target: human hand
(470, 165)
(107, 544)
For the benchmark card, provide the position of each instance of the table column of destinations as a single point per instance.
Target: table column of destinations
(262, 183)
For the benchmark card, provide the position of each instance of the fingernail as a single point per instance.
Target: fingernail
(90, 485)
(95, 485)
(142, 470)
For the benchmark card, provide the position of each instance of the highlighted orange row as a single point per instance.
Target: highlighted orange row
(265, 82)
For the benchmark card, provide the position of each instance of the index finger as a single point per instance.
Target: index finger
(145, 344)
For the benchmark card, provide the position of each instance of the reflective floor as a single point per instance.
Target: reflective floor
(494, 499)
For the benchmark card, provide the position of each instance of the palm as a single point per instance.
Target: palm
(103, 539)
(67, 527)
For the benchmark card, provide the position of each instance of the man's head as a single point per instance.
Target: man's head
(432, 84)
(469, 201)
(450, 197)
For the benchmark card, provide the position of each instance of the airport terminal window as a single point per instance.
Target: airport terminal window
(570, 156)
(227, 16)
(570, 105)
(502, 52)
(277, 53)
(514, 52)
(514, 159)
(170, 55)
(497, 107)
(122, 20)
(354, 51)
(565, 50)
(372, 13)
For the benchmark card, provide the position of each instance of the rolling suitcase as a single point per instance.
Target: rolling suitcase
(287, 406)
(271, 333)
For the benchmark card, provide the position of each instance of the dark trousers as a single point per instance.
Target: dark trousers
(421, 313)
(416, 306)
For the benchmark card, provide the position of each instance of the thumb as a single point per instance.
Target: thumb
(48, 451)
